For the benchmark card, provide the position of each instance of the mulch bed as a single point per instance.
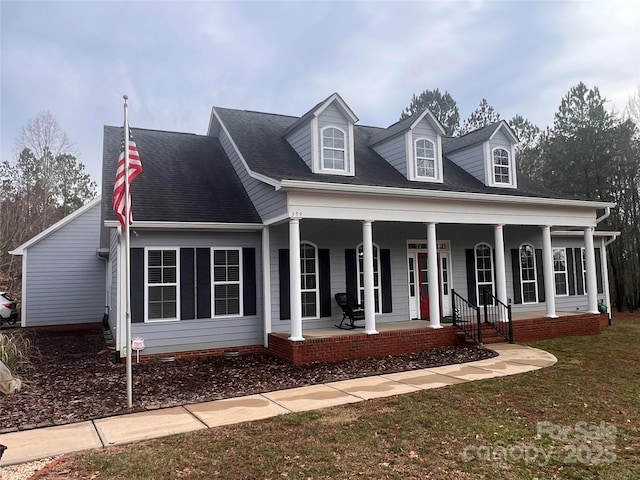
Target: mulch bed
(73, 377)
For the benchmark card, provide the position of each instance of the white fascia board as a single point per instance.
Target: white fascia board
(342, 105)
(190, 225)
(413, 192)
(505, 126)
(55, 227)
(431, 118)
(257, 176)
(580, 233)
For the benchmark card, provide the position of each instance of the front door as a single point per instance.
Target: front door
(423, 283)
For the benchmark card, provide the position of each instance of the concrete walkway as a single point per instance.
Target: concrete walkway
(40, 443)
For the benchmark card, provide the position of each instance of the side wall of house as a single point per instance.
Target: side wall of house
(470, 159)
(66, 279)
(394, 151)
(267, 201)
(300, 140)
(202, 333)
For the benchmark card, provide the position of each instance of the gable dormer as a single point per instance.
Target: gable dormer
(413, 146)
(487, 153)
(324, 137)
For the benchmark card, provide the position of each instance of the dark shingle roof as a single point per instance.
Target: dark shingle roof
(185, 178)
(260, 139)
(451, 144)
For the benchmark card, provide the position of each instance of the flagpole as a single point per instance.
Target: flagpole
(127, 250)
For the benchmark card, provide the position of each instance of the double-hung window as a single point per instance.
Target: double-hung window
(334, 153)
(425, 158)
(484, 272)
(162, 284)
(528, 282)
(309, 279)
(376, 277)
(501, 166)
(227, 280)
(560, 271)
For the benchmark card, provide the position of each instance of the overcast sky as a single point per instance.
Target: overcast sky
(176, 60)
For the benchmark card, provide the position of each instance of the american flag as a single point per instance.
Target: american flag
(135, 169)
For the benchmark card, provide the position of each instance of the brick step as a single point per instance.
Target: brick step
(489, 335)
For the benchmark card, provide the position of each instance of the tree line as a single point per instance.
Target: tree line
(589, 152)
(42, 185)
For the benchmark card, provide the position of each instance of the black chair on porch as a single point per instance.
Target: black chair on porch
(351, 311)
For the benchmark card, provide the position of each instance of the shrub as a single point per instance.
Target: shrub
(14, 351)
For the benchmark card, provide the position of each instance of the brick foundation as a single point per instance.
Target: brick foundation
(201, 353)
(330, 349)
(532, 329)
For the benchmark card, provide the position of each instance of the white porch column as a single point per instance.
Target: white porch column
(592, 283)
(266, 284)
(295, 298)
(501, 275)
(432, 273)
(369, 288)
(547, 268)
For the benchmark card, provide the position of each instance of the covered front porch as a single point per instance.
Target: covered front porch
(397, 338)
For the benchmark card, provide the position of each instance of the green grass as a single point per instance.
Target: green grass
(452, 432)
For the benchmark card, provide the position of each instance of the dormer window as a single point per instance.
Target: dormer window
(425, 158)
(501, 167)
(333, 149)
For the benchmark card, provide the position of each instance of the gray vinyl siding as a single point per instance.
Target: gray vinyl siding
(394, 151)
(65, 278)
(470, 159)
(267, 201)
(113, 265)
(197, 334)
(500, 140)
(300, 140)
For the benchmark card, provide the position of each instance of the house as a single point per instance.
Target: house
(242, 237)
(63, 277)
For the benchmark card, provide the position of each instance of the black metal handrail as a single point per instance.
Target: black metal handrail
(466, 317)
(498, 315)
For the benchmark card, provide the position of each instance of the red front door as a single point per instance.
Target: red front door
(423, 277)
(424, 284)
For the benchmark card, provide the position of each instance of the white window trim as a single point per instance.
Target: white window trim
(583, 265)
(147, 285)
(348, 170)
(508, 166)
(434, 158)
(490, 166)
(240, 282)
(475, 268)
(317, 274)
(535, 274)
(412, 167)
(565, 271)
(376, 248)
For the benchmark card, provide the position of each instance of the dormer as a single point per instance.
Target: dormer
(413, 146)
(324, 138)
(487, 153)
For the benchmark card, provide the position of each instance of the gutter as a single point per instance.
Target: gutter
(253, 227)
(607, 212)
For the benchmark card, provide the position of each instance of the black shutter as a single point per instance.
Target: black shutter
(324, 274)
(540, 275)
(249, 281)
(515, 269)
(577, 252)
(137, 285)
(385, 280)
(283, 268)
(203, 283)
(599, 271)
(351, 271)
(471, 275)
(187, 284)
(571, 273)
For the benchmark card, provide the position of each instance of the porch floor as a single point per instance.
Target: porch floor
(414, 325)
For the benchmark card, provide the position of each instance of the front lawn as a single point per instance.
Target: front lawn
(575, 420)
